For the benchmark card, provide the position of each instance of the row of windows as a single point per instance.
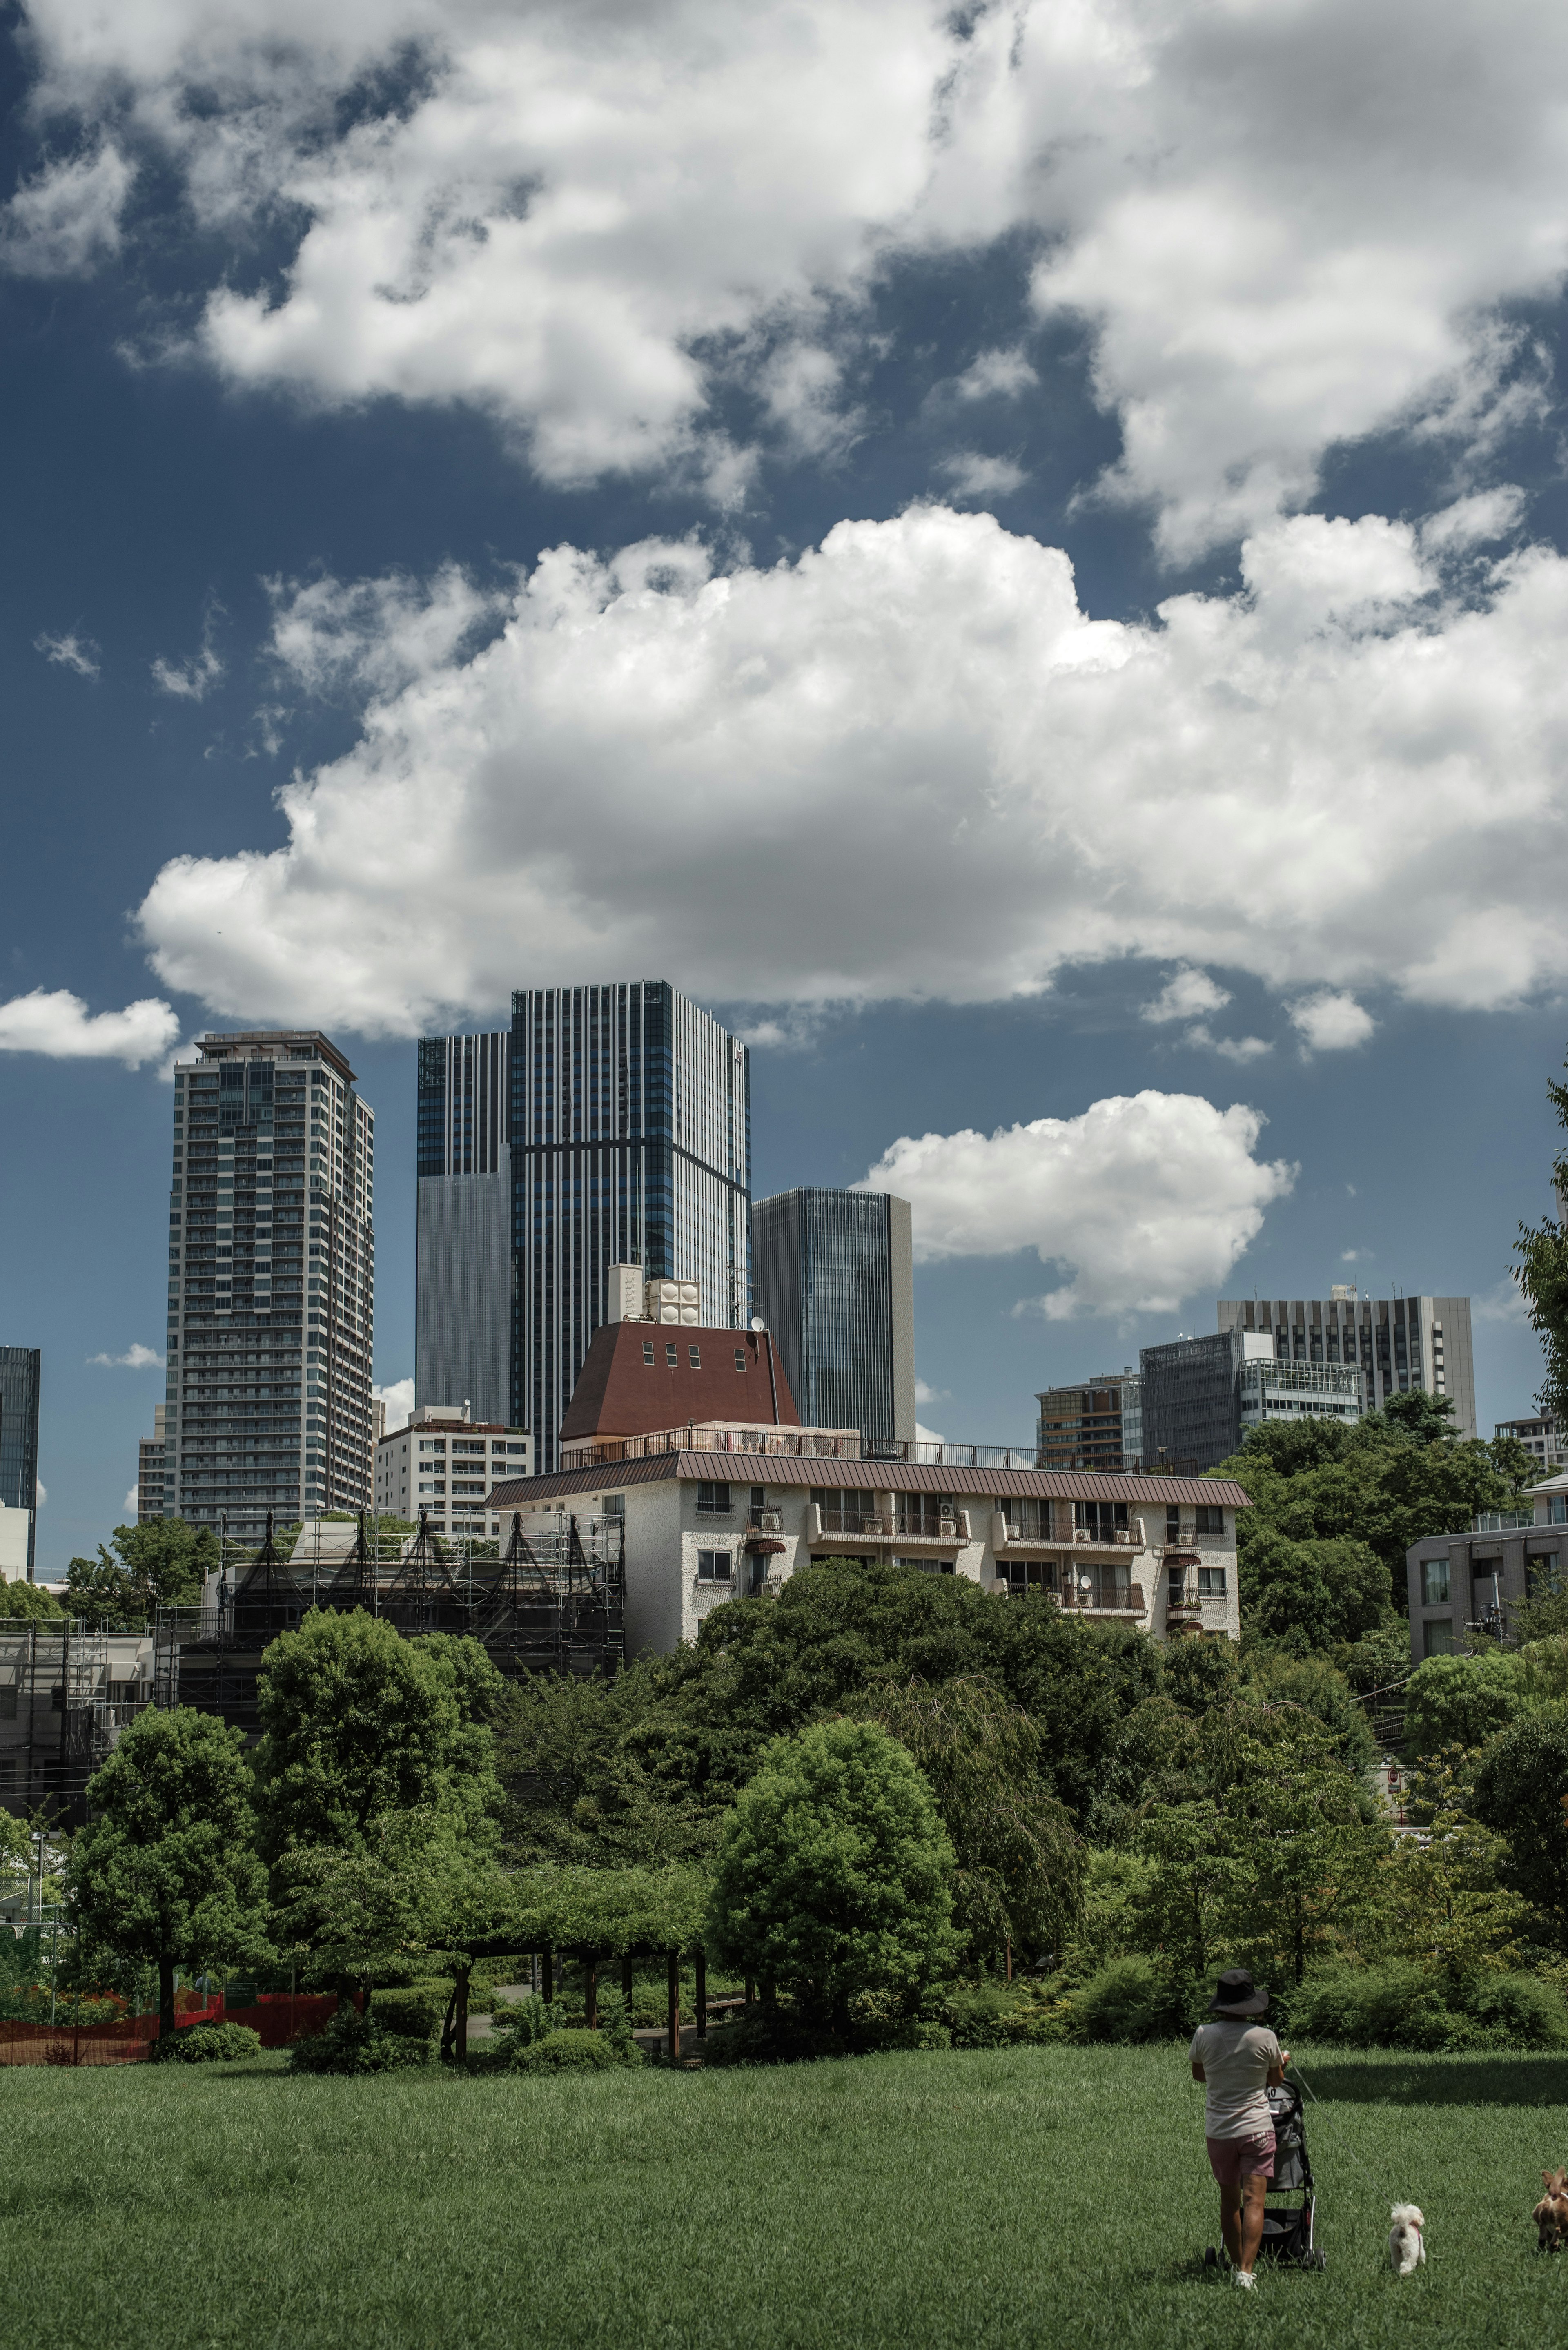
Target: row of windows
(672, 1356)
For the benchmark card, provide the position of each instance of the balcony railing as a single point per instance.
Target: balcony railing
(892, 1525)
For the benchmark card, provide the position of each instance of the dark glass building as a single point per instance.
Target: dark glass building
(1191, 1409)
(833, 1277)
(21, 1370)
(626, 1140)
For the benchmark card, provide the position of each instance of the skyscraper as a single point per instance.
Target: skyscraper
(271, 1283)
(611, 1124)
(833, 1277)
(21, 1370)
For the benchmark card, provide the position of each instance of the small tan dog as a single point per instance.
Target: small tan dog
(1551, 2214)
(1406, 2244)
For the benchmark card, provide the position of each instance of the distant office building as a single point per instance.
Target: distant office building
(1397, 1344)
(21, 1372)
(462, 1277)
(444, 1462)
(1099, 1425)
(149, 1470)
(1201, 1396)
(271, 1283)
(611, 1124)
(833, 1278)
(1538, 1435)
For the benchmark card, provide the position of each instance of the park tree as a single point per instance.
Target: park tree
(835, 1872)
(29, 1603)
(357, 1722)
(1542, 1251)
(141, 1569)
(1443, 1900)
(166, 1872)
(1461, 1701)
(1018, 1862)
(1521, 1791)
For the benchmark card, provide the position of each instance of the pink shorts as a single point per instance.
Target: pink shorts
(1232, 2159)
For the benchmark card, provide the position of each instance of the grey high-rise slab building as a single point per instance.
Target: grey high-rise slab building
(271, 1283)
(610, 1124)
(21, 1375)
(833, 1277)
(1395, 1343)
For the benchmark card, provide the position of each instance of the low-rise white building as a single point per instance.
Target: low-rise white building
(721, 1509)
(445, 1464)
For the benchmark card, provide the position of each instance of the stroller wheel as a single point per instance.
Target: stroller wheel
(1320, 2260)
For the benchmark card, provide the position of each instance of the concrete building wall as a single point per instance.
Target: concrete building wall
(462, 1292)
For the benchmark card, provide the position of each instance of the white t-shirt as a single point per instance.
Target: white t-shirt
(1237, 2054)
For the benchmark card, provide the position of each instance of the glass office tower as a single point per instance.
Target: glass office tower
(271, 1285)
(833, 1277)
(627, 1142)
(21, 1371)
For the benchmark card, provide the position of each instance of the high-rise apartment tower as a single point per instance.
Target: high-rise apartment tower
(610, 1124)
(271, 1283)
(21, 1371)
(833, 1277)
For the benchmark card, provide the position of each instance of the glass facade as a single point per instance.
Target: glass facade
(21, 1371)
(831, 1278)
(271, 1285)
(1097, 1426)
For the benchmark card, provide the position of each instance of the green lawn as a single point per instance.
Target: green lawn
(1038, 2197)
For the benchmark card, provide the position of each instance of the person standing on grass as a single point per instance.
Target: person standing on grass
(1237, 2058)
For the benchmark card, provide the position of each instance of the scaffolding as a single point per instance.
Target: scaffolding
(552, 1601)
(57, 1716)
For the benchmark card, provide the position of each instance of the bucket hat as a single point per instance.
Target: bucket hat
(1236, 1993)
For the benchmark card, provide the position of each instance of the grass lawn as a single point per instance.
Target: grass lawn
(1036, 2197)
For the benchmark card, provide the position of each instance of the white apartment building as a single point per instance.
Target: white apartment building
(444, 1462)
(1539, 1434)
(714, 1511)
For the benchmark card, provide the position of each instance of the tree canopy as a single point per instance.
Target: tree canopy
(166, 1871)
(834, 1874)
(1542, 1251)
(141, 1569)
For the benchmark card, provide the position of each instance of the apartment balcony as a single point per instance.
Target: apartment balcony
(1015, 1536)
(922, 1527)
(1105, 1597)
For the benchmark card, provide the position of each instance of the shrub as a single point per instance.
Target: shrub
(357, 2043)
(1398, 2005)
(207, 2043)
(1532, 2013)
(760, 2036)
(417, 2013)
(520, 2023)
(1128, 2000)
(567, 2051)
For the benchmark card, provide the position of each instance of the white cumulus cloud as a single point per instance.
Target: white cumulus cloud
(1282, 228)
(136, 1357)
(1306, 780)
(977, 479)
(131, 1502)
(1185, 993)
(1142, 1199)
(1332, 1021)
(66, 221)
(1240, 1049)
(398, 1395)
(78, 653)
(59, 1024)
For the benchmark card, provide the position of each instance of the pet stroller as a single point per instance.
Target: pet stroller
(1290, 2208)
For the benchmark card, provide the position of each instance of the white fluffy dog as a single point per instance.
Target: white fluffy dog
(1406, 2245)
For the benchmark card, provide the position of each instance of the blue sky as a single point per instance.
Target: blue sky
(1022, 560)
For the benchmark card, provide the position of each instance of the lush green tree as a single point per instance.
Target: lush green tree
(143, 1568)
(1443, 1898)
(29, 1603)
(1542, 1251)
(166, 1872)
(357, 1722)
(1325, 1590)
(1019, 1864)
(834, 1873)
(1521, 1791)
(1461, 1701)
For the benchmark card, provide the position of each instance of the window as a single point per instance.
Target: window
(1101, 1518)
(672, 1357)
(740, 1358)
(436, 1444)
(647, 1352)
(712, 1501)
(1173, 1586)
(1434, 1583)
(614, 1505)
(712, 1566)
(1210, 1521)
(696, 1355)
(1211, 1582)
(1438, 1637)
(1172, 1523)
(462, 1444)
(1542, 1568)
